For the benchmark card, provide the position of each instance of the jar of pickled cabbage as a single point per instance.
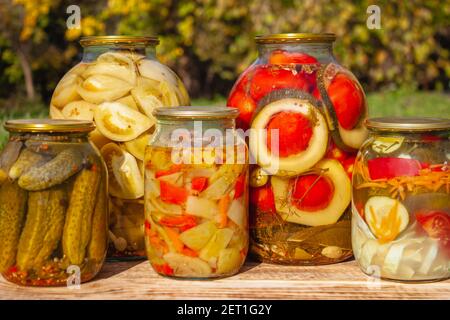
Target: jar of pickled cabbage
(305, 113)
(53, 204)
(196, 193)
(401, 200)
(117, 85)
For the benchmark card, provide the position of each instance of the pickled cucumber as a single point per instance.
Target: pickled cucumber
(27, 160)
(78, 226)
(12, 211)
(54, 172)
(7, 158)
(99, 234)
(43, 228)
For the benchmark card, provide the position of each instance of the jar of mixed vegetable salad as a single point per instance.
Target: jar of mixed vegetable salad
(196, 194)
(401, 200)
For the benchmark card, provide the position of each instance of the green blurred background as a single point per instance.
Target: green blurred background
(404, 66)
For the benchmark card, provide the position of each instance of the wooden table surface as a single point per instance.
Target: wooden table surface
(136, 280)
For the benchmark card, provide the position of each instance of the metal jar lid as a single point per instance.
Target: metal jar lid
(49, 126)
(295, 38)
(193, 113)
(118, 40)
(407, 124)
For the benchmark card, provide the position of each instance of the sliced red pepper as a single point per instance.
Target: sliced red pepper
(239, 187)
(387, 168)
(183, 222)
(173, 169)
(263, 198)
(286, 57)
(199, 183)
(163, 269)
(172, 194)
(189, 252)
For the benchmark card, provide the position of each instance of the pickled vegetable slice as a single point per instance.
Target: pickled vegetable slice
(118, 122)
(197, 237)
(187, 266)
(79, 110)
(100, 88)
(137, 146)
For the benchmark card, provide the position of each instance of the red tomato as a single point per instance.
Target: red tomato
(312, 192)
(348, 165)
(347, 99)
(172, 194)
(267, 78)
(286, 57)
(199, 183)
(294, 133)
(240, 186)
(239, 99)
(437, 225)
(263, 198)
(333, 152)
(387, 168)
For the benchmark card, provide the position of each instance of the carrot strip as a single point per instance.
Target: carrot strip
(174, 236)
(224, 203)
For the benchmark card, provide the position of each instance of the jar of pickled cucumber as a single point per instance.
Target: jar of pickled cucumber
(305, 113)
(53, 204)
(196, 193)
(401, 200)
(118, 84)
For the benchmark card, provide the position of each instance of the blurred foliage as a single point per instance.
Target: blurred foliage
(210, 42)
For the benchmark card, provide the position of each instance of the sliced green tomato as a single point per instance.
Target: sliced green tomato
(386, 217)
(66, 91)
(125, 72)
(148, 100)
(218, 242)
(118, 122)
(137, 146)
(294, 164)
(79, 110)
(169, 96)
(129, 101)
(156, 71)
(386, 145)
(55, 113)
(98, 138)
(229, 261)
(100, 88)
(185, 266)
(197, 237)
(332, 170)
(125, 179)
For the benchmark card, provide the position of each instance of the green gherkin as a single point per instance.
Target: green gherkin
(54, 172)
(27, 160)
(78, 225)
(99, 236)
(43, 228)
(12, 211)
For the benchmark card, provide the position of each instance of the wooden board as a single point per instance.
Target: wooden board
(137, 280)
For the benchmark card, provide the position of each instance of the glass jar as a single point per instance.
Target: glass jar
(53, 204)
(306, 114)
(118, 84)
(196, 193)
(401, 200)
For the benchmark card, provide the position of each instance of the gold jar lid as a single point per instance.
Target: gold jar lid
(49, 126)
(193, 113)
(295, 38)
(407, 124)
(118, 40)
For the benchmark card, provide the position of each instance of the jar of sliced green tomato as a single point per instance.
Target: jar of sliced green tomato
(401, 200)
(196, 194)
(53, 203)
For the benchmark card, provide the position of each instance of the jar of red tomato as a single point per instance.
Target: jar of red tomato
(305, 113)
(401, 196)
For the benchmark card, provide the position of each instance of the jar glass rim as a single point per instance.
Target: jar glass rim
(118, 40)
(407, 124)
(295, 38)
(49, 126)
(193, 113)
